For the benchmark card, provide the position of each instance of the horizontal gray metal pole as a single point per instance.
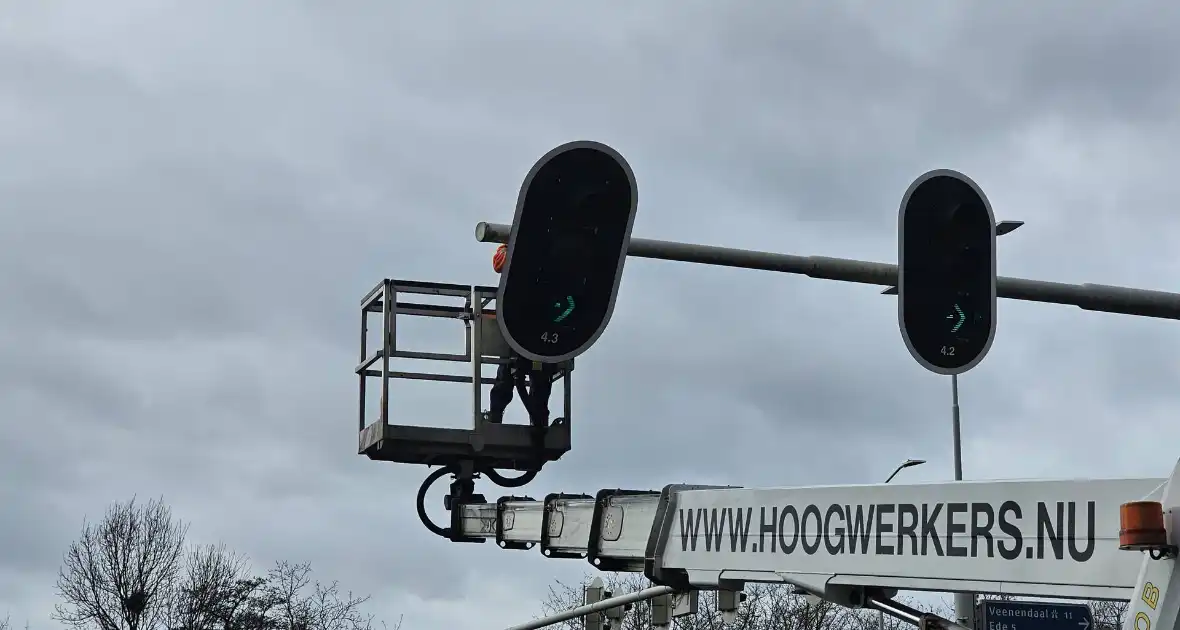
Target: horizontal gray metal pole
(582, 611)
(1092, 297)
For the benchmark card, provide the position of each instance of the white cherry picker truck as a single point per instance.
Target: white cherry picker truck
(853, 545)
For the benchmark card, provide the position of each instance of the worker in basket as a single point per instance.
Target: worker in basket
(533, 380)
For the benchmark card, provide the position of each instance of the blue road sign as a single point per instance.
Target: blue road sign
(1002, 615)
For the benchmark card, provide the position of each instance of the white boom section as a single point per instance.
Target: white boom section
(1155, 601)
(1034, 538)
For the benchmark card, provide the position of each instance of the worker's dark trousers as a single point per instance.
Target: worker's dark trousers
(540, 388)
(501, 395)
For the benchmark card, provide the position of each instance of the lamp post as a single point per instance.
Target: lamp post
(965, 602)
(909, 463)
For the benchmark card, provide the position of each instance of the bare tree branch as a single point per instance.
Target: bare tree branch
(130, 571)
(120, 574)
(212, 592)
(301, 604)
(1109, 615)
(767, 607)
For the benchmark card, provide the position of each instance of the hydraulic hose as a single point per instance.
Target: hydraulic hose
(445, 532)
(509, 482)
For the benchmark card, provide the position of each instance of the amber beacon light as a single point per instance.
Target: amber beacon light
(1141, 528)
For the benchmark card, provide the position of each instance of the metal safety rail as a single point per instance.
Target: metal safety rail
(483, 450)
(843, 543)
(502, 446)
(481, 341)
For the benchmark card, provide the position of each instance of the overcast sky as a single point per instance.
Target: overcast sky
(196, 195)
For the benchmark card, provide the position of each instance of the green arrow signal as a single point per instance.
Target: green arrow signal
(569, 308)
(962, 318)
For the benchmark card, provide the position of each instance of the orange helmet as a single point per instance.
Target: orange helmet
(499, 258)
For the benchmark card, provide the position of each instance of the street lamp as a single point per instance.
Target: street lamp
(1006, 227)
(965, 602)
(909, 463)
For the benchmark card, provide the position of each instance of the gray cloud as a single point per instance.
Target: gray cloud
(196, 196)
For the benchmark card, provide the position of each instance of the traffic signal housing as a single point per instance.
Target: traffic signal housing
(566, 251)
(946, 272)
